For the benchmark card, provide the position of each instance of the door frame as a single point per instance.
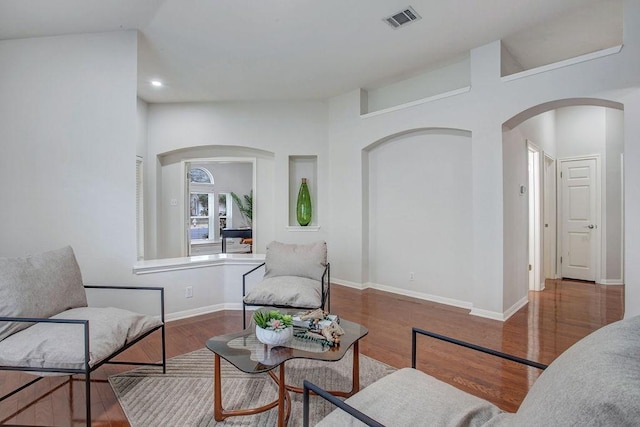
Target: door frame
(534, 215)
(549, 217)
(597, 268)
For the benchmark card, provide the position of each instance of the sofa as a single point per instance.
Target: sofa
(596, 382)
(47, 327)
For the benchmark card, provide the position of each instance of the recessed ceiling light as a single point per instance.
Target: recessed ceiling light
(156, 83)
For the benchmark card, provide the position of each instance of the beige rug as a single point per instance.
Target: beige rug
(184, 395)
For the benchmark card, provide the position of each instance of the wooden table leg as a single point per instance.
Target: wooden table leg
(282, 389)
(355, 377)
(219, 413)
(217, 391)
(355, 373)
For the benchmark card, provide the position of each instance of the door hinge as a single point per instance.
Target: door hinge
(560, 174)
(560, 260)
(530, 267)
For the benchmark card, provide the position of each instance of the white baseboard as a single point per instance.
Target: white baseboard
(348, 284)
(611, 282)
(495, 315)
(201, 310)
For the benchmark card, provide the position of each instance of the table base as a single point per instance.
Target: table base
(284, 399)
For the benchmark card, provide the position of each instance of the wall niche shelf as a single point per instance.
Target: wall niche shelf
(298, 228)
(303, 167)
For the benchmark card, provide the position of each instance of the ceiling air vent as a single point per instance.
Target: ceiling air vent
(402, 18)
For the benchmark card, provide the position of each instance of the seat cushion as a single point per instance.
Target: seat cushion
(283, 259)
(287, 291)
(39, 286)
(595, 382)
(48, 345)
(409, 397)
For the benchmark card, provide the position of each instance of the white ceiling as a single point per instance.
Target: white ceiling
(310, 49)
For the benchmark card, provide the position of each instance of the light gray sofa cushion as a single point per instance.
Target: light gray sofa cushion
(47, 345)
(409, 397)
(595, 382)
(39, 286)
(291, 291)
(283, 259)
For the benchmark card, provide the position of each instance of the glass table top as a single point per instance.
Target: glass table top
(245, 352)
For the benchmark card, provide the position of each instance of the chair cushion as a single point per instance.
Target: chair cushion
(49, 345)
(409, 397)
(283, 259)
(595, 382)
(39, 286)
(288, 291)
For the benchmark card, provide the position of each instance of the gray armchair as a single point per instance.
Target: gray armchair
(296, 276)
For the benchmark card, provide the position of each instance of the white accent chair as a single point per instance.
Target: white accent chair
(47, 328)
(295, 277)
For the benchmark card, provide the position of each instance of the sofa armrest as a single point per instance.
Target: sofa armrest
(308, 387)
(85, 327)
(135, 288)
(416, 331)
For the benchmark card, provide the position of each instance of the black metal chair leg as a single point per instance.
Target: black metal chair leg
(87, 396)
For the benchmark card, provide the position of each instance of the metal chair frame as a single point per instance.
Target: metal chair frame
(326, 293)
(87, 369)
(309, 387)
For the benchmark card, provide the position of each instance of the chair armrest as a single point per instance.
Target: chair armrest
(326, 292)
(416, 331)
(85, 327)
(248, 273)
(308, 387)
(135, 288)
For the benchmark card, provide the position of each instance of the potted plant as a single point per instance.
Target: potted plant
(273, 327)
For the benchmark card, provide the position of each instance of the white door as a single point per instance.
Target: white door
(579, 243)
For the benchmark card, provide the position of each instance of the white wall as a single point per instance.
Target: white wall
(68, 135)
(78, 126)
(580, 131)
(420, 215)
(446, 78)
(270, 131)
(490, 103)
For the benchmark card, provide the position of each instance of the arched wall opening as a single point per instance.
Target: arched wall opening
(417, 195)
(171, 189)
(562, 132)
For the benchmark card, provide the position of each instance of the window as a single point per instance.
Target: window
(201, 197)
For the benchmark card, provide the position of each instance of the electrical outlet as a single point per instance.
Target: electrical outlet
(188, 292)
(412, 276)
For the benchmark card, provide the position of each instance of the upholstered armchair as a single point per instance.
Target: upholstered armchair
(295, 276)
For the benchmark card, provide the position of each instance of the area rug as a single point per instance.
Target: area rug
(184, 395)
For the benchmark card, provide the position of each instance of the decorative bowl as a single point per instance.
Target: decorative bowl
(270, 337)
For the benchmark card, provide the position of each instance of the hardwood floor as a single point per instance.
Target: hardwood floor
(553, 320)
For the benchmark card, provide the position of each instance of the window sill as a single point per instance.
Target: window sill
(300, 228)
(200, 261)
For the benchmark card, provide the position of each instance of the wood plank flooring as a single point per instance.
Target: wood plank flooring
(553, 320)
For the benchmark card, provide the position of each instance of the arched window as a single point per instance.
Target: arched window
(200, 201)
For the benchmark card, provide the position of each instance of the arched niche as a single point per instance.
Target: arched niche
(416, 214)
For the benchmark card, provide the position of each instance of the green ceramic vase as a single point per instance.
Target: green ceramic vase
(303, 207)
